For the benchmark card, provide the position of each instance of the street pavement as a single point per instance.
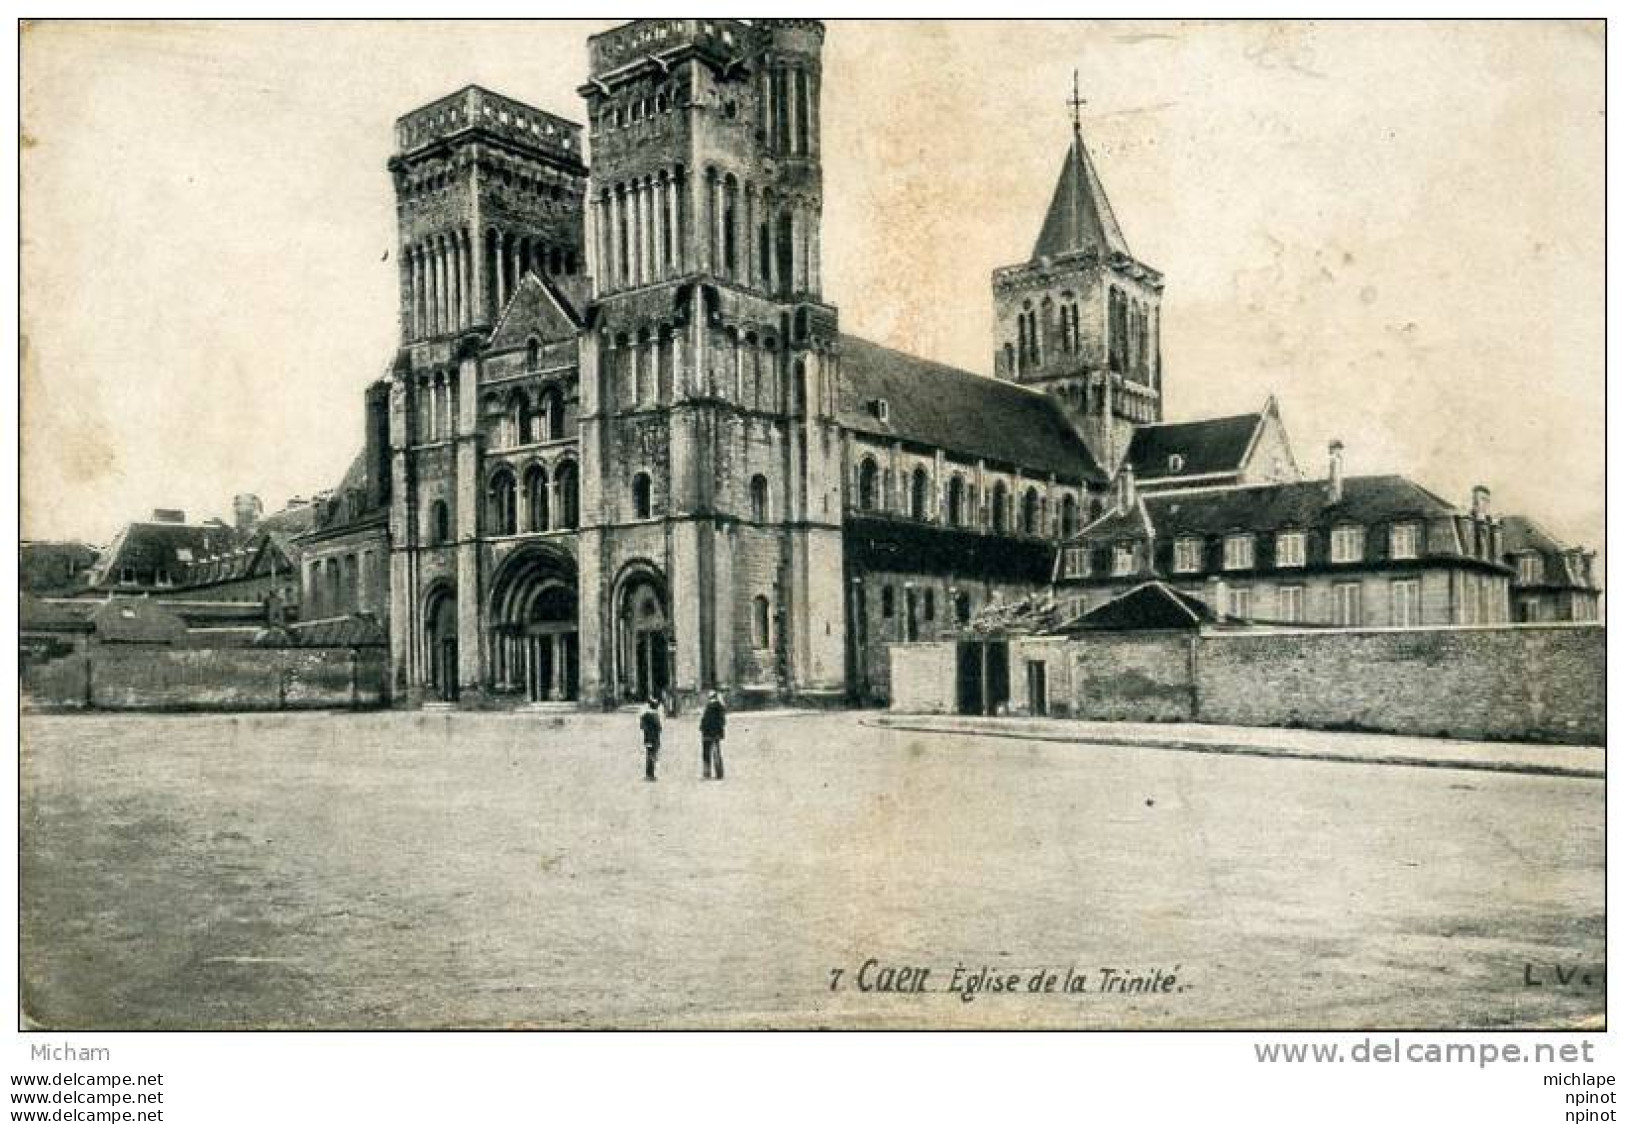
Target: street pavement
(464, 870)
(1317, 745)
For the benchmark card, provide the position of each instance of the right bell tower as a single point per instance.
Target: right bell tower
(1081, 318)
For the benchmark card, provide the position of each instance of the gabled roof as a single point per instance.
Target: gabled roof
(1208, 446)
(537, 308)
(150, 547)
(958, 411)
(1080, 216)
(1152, 605)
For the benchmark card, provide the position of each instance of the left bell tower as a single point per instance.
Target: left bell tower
(486, 189)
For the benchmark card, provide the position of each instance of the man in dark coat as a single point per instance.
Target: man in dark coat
(649, 723)
(713, 727)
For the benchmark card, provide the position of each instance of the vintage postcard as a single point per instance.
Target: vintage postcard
(774, 523)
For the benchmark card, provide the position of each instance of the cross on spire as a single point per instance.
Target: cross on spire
(1077, 102)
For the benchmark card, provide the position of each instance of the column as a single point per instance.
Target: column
(770, 276)
(555, 689)
(815, 265)
(675, 218)
(651, 209)
(747, 245)
(448, 256)
(612, 274)
(640, 227)
(500, 267)
(415, 273)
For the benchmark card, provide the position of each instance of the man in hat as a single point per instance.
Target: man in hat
(649, 724)
(713, 727)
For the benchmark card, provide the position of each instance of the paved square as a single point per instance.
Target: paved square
(460, 870)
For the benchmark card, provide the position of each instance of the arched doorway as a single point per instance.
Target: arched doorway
(535, 631)
(440, 638)
(642, 635)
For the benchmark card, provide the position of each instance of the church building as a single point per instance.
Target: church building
(625, 448)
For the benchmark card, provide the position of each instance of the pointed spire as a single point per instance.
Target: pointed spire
(1080, 216)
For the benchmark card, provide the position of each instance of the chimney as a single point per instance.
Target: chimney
(1126, 493)
(1334, 474)
(1481, 502)
(247, 509)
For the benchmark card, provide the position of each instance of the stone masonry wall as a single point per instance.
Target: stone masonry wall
(1538, 683)
(142, 677)
(922, 678)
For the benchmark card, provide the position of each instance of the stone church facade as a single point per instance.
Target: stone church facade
(631, 453)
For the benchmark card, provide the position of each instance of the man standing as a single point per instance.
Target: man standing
(713, 727)
(649, 723)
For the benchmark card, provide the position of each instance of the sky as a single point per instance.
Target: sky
(1396, 229)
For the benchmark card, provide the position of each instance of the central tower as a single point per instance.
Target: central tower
(1081, 319)
(711, 507)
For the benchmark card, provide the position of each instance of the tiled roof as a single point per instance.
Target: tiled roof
(359, 631)
(1207, 446)
(937, 405)
(1080, 216)
(148, 548)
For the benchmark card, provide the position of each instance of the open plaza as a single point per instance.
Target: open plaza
(438, 870)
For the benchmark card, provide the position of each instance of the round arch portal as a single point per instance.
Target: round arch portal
(535, 632)
(643, 638)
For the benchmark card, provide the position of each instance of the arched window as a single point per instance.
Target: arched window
(503, 509)
(868, 485)
(956, 502)
(550, 411)
(536, 498)
(1029, 512)
(1069, 516)
(962, 608)
(642, 501)
(533, 352)
(1001, 508)
(569, 514)
(521, 422)
(730, 232)
(761, 620)
(919, 494)
(439, 523)
(758, 498)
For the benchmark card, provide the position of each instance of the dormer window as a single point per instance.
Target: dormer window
(1348, 543)
(1176, 463)
(1402, 540)
(1187, 555)
(1238, 552)
(880, 408)
(1528, 569)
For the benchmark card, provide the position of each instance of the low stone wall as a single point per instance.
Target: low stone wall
(1542, 682)
(1520, 682)
(147, 677)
